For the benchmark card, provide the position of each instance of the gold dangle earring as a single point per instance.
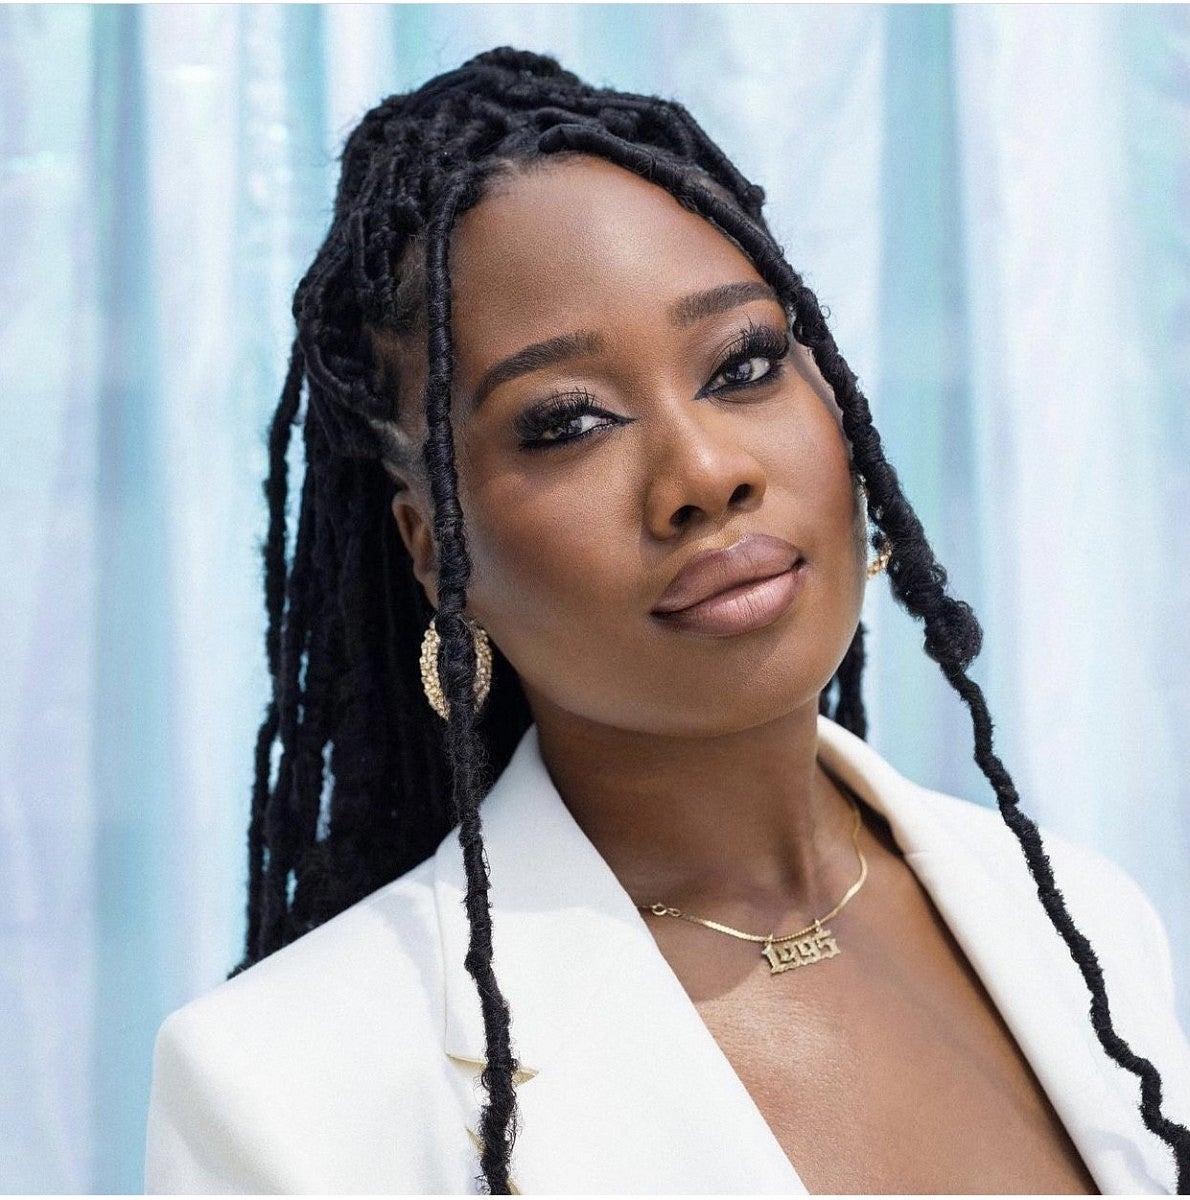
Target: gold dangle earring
(431, 681)
(882, 559)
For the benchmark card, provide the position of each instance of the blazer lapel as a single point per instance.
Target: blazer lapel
(980, 883)
(629, 1092)
(622, 1087)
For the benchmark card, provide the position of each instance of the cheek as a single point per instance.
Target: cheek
(844, 553)
(548, 557)
(808, 469)
(558, 582)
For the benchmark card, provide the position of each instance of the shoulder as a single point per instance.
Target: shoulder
(302, 1072)
(1096, 889)
(1111, 911)
(346, 968)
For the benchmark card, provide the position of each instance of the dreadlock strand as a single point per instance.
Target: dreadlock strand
(323, 666)
(276, 488)
(278, 833)
(276, 493)
(456, 663)
(849, 709)
(262, 764)
(1052, 900)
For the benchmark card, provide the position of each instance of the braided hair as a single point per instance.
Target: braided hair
(356, 780)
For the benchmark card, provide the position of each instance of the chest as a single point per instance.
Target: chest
(886, 1069)
(900, 1106)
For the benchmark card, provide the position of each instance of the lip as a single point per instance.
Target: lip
(746, 586)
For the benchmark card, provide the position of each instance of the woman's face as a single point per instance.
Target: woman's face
(588, 480)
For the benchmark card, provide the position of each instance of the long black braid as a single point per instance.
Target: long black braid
(345, 623)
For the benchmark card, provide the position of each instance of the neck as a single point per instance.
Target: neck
(744, 822)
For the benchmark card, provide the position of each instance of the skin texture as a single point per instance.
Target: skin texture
(689, 760)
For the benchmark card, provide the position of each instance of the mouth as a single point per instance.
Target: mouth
(744, 606)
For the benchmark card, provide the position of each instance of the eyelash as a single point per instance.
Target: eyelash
(757, 341)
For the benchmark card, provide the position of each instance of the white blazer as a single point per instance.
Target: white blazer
(348, 1061)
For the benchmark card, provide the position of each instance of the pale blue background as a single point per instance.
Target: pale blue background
(993, 202)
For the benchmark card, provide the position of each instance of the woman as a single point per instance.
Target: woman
(585, 509)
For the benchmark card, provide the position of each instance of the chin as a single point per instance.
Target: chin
(723, 711)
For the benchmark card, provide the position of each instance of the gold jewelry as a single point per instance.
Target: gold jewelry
(788, 950)
(431, 682)
(881, 560)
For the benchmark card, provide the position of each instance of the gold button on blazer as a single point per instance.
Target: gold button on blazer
(348, 1061)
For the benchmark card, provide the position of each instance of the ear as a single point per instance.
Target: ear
(418, 536)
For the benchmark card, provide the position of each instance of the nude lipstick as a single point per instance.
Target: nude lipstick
(721, 593)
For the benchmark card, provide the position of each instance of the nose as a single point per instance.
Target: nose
(699, 474)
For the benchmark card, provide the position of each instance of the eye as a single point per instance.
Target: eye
(566, 428)
(747, 370)
(755, 356)
(563, 419)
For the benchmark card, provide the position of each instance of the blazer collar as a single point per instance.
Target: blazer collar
(622, 1087)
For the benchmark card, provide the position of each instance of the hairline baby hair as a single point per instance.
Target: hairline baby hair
(356, 779)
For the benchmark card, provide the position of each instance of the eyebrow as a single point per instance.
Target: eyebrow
(682, 313)
(716, 300)
(535, 358)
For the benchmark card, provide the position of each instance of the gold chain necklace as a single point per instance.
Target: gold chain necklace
(788, 950)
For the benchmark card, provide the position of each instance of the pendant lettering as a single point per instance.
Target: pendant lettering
(801, 952)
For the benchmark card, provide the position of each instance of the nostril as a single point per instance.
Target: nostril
(683, 514)
(741, 493)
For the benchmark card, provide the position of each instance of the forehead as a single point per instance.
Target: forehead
(579, 242)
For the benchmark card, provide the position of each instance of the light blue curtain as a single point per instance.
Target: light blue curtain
(994, 202)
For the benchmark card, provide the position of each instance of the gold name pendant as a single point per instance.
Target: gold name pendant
(800, 951)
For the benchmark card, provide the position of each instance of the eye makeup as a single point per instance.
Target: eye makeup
(755, 342)
(544, 425)
(557, 412)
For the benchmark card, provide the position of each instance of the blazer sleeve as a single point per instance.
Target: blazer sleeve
(320, 1069)
(1171, 1046)
(1134, 952)
(199, 1138)
(208, 1132)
